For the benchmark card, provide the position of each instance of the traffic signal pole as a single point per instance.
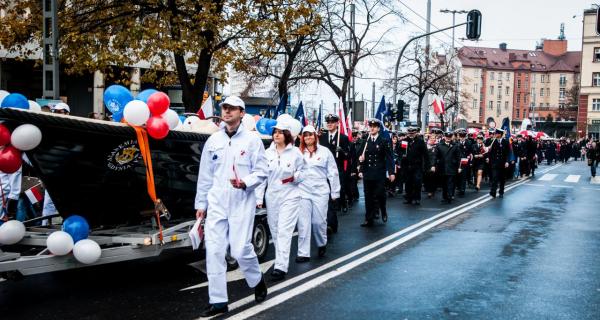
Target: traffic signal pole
(395, 101)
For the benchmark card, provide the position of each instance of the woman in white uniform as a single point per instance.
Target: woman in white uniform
(282, 194)
(321, 182)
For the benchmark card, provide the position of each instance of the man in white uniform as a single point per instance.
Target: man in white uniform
(233, 163)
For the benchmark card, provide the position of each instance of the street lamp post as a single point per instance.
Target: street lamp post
(456, 106)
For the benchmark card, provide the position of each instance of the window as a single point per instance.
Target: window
(518, 97)
(533, 92)
(547, 105)
(541, 105)
(474, 103)
(507, 76)
(541, 92)
(518, 113)
(491, 90)
(596, 54)
(492, 75)
(476, 73)
(475, 87)
(507, 90)
(499, 92)
(563, 80)
(596, 79)
(499, 75)
(548, 80)
(526, 84)
(498, 109)
(596, 105)
(561, 93)
(519, 84)
(506, 105)
(533, 78)
(542, 78)
(525, 99)
(491, 105)
(548, 92)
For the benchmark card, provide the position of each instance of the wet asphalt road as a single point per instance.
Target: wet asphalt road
(531, 255)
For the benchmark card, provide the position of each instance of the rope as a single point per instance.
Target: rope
(142, 136)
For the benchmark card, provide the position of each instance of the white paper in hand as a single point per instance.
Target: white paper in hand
(197, 234)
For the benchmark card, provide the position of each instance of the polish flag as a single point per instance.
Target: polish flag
(343, 126)
(464, 161)
(34, 194)
(349, 125)
(404, 144)
(207, 109)
(438, 105)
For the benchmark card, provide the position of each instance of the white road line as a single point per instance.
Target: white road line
(596, 189)
(535, 184)
(548, 177)
(345, 268)
(595, 180)
(249, 299)
(573, 178)
(232, 276)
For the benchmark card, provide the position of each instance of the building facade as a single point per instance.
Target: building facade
(589, 99)
(499, 83)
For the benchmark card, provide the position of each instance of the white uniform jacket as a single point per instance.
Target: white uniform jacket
(320, 167)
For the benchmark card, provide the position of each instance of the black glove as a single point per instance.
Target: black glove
(11, 207)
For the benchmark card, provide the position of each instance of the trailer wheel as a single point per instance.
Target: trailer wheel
(260, 238)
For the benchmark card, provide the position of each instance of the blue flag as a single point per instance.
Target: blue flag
(318, 124)
(506, 127)
(280, 108)
(300, 115)
(382, 111)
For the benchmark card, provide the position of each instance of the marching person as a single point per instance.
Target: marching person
(465, 148)
(448, 165)
(479, 154)
(232, 165)
(320, 184)
(498, 160)
(375, 163)
(593, 156)
(430, 178)
(416, 157)
(339, 145)
(285, 168)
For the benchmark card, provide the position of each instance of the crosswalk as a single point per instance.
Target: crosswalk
(568, 178)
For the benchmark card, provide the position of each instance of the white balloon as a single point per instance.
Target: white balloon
(60, 243)
(172, 118)
(3, 94)
(26, 137)
(87, 251)
(11, 232)
(136, 112)
(34, 106)
(295, 127)
(190, 122)
(284, 117)
(249, 122)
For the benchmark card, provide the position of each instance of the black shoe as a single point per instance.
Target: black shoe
(376, 216)
(212, 311)
(367, 224)
(384, 217)
(329, 230)
(260, 291)
(417, 203)
(322, 251)
(344, 209)
(493, 195)
(277, 275)
(501, 195)
(407, 201)
(302, 259)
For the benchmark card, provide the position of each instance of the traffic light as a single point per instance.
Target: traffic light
(598, 21)
(401, 105)
(393, 113)
(473, 25)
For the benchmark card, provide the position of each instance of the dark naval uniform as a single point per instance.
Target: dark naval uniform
(466, 148)
(448, 163)
(498, 158)
(416, 158)
(377, 163)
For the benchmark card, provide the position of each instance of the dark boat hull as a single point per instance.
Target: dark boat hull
(94, 169)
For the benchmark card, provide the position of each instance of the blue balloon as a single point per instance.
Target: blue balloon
(182, 118)
(117, 116)
(265, 125)
(15, 100)
(144, 95)
(77, 227)
(116, 97)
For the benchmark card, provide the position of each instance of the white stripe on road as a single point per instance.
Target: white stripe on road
(595, 180)
(596, 189)
(573, 178)
(249, 299)
(561, 186)
(548, 177)
(535, 184)
(345, 268)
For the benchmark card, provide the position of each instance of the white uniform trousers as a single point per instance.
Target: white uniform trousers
(231, 227)
(313, 212)
(282, 217)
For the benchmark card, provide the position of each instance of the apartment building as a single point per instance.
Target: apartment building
(589, 99)
(500, 83)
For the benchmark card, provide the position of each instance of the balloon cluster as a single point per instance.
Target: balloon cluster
(265, 126)
(24, 138)
(73, 237)
(150, 109)
(17, 100)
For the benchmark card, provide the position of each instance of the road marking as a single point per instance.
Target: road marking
(548, 177)
(347, 267)
(232, 276)
(586, 188)
(595, 180)
(249, 299)
(573, 178)
(535, 184)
